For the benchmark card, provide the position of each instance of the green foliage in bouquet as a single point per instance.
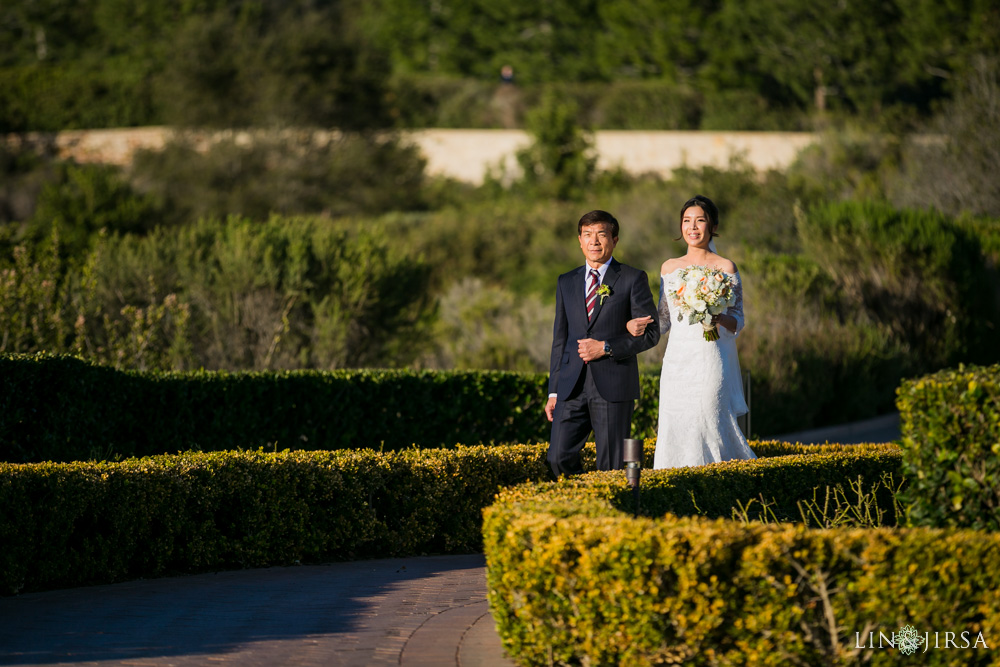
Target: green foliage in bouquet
(951, 447)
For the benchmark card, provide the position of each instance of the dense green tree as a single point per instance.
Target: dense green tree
(939, 38)
(813, 55)
(658, 39)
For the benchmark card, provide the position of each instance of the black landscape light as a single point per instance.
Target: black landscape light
(633, 464)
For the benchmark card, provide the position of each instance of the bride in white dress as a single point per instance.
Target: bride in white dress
(701, 390)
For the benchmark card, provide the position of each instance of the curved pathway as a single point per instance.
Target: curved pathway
(428, 610)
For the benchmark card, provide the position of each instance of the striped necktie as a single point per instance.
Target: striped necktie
(592, 293)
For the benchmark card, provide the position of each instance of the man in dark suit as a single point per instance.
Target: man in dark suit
(593, 373)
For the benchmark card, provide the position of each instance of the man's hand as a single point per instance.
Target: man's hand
(550, 407)
(637, 327)
(590, 349)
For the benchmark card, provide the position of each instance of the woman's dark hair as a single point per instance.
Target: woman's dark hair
(710, 209)
(597, 217)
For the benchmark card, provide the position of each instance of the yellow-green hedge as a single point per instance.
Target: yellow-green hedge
(574, 579)
(950, 423)
(67, 524)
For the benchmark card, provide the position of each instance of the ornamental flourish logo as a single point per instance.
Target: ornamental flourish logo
(908, 640)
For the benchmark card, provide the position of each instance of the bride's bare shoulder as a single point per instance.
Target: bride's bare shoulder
(671, 265)
(726, 265)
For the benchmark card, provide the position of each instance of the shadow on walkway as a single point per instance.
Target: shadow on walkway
(359, 613)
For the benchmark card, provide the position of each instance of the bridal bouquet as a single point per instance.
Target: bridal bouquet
(702, 292)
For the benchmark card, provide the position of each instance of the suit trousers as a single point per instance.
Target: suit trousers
(574, 419)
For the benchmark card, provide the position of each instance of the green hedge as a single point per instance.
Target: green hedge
(574, 579)
(950, 423)
(65, 409)
(69, 524)
(783, 475)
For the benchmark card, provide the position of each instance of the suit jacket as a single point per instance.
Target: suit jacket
(616, 377)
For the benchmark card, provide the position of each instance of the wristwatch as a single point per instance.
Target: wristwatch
(607, 348)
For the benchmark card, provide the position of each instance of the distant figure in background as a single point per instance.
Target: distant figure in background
(507, 74)
(593, 373)
(701, 391)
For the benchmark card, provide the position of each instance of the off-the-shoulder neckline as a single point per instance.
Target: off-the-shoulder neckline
(679, 268)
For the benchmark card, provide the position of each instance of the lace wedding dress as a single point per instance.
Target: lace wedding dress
(701, 389)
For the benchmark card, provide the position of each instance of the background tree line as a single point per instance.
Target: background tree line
(874, 257)
(380, 63)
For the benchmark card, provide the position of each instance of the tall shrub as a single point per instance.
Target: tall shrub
(913, 273)
(560, 163)
(285, 293)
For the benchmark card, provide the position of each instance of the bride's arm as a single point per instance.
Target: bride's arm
(663, 309)
(736, 310)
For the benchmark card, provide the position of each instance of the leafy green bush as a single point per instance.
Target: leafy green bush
(48, 304)
(575, 579)
(81, 201)
(782, 479)
(915, 273)
(645, 105)
(285, 293)
(951, 447)
(420, 101)
(560, 163)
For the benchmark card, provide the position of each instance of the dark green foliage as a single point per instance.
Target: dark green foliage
(83, 200)
(64, 409)
(444, 102)
(75, 95)
(560, 163)
(914, 273)
(644, 105)
(69, 524)
(292, 66)
(775, 64)
(951, 447)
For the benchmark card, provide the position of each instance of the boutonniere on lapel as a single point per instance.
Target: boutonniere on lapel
(604, 292)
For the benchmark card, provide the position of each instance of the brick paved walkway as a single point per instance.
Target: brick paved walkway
(408, 611)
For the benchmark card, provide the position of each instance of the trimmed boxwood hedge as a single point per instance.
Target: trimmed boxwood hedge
(950, 423)
(59, 408)
(67, 524)
(574, 579)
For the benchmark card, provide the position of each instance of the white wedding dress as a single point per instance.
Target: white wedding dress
(701, 389)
